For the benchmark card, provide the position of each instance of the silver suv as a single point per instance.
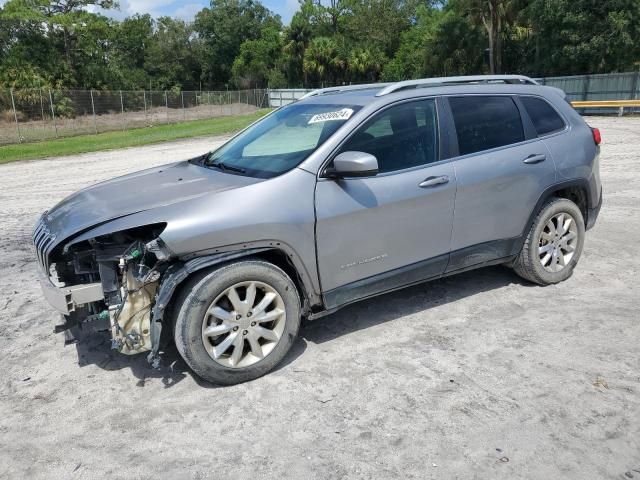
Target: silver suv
(348, 193)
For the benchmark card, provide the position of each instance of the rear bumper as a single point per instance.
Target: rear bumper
(592, 213)
(66, 299)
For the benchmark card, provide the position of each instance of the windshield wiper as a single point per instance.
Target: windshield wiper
(222, 166)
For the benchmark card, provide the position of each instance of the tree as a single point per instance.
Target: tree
(56, 36)
(258, 59)
(172, 59)
(240, 43)
(494, 16)
(365, 64)
(297, 37)
(132, 40)
(380, 23)
(223, 28)
(323, 62)
(442, 42)
(581, 36)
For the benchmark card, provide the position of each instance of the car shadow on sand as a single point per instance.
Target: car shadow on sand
(407, 301)
(95, 348)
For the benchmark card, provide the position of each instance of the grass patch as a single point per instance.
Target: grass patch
(128, 138)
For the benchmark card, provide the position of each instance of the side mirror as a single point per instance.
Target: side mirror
(354, 164)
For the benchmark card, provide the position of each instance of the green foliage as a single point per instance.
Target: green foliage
(582, 36)
(63, 107)
(322, 61)
(223, 28)
(257, 59)
(172, 58)
(63, 44)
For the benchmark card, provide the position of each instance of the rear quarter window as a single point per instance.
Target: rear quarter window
(544, 117)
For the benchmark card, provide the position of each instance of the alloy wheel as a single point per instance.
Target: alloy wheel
(243, 324)
(557, 242)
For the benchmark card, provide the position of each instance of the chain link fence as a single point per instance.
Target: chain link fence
(41, 114)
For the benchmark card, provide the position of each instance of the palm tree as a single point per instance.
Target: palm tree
(322, 59)
(365, 63)
(297, 38)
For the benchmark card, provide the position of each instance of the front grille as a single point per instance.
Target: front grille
(43, 240)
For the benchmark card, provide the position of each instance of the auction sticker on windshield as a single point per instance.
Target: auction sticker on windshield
(344, 114)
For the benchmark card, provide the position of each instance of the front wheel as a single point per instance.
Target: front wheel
(554, 243)
(238, 322)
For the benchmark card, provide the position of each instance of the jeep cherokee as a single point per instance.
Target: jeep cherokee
(347, 193)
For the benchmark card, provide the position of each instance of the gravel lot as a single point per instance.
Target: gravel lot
(479, 376)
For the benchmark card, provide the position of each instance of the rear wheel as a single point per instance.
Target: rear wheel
(554, 243)
(238, 322)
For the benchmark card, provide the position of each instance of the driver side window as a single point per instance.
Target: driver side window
(400, 137)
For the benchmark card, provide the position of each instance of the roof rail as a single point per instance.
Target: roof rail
(425, 82)
(344, 88)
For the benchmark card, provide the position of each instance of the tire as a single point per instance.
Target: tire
(211, 292)
(542, 235)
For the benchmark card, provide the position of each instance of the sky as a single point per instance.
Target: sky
(186, 10)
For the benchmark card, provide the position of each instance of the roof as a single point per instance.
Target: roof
(365, 94)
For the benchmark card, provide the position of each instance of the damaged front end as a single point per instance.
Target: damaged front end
(107, 282)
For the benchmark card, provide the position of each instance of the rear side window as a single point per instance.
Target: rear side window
(485, 122)
(545, 119)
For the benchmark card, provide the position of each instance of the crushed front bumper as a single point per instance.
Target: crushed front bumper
(66, 299)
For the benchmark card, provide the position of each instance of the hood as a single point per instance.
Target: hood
(137, 192)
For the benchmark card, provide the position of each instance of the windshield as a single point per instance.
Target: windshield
(281, 141)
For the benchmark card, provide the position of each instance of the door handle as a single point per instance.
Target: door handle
(433, 181)
(535, 158)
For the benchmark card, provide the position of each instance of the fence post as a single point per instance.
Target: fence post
(144, 99)
(634, 89)
(184, 112)
(122, 109)
(53, 113)
(585, 88)
(166, 104)
(93, 108)
(44, 127)
(15, 115)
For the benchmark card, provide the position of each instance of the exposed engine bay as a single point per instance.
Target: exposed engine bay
(128, 266)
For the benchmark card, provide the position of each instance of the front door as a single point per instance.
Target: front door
(382, 232)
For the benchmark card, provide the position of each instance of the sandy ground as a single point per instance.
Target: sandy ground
(479, 376)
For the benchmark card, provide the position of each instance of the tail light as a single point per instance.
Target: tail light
(597, 138)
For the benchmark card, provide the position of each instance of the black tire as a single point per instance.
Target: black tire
(198, 295)
(528, 264)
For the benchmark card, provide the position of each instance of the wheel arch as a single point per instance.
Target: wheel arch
(179, 273)
(275, 253)
(576, 190)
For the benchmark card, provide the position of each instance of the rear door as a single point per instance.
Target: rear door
(392, 229)
(502, 169)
